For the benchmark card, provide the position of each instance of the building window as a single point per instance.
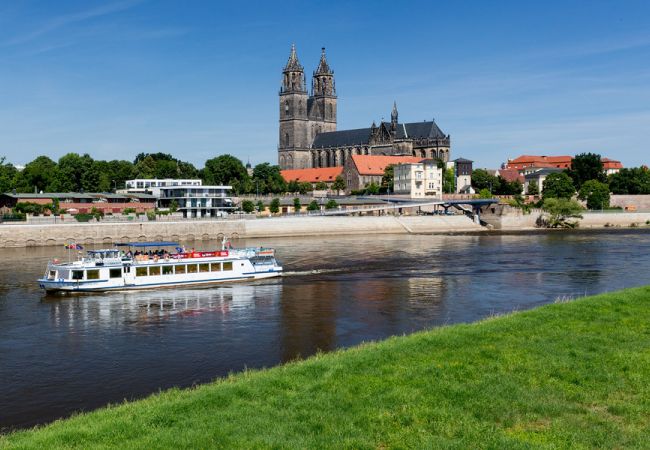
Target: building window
(115, 273)
(191, 268)
(204, 267)
(140, 271)
(179, 269)
(286, 139)
(168, 270)
(227, 265)
(77, 274)
(215, 267)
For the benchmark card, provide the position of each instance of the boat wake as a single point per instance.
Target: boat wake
(310, 272)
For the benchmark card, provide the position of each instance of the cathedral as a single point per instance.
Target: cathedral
(308, 136)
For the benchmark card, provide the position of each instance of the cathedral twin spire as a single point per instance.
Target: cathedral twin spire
(294, 75)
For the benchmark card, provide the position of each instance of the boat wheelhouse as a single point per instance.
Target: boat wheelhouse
(142, 268)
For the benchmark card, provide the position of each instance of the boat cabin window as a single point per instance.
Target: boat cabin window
(92, 274)
(154, 270)
(191, 268)
(167, 270)
(115, 273)
(205, 267)
(227, 265)
(140, 271)
(180, 268)
(216, 267)
(77, 274)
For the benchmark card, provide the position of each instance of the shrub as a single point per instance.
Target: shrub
(296, 205)
(151, 215)
(126, 211)
(313, 206)
(331, 204)
(260, 206)
(275, 206)
(248, 206)
(83, 217)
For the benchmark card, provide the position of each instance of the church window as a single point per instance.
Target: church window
(286, 139)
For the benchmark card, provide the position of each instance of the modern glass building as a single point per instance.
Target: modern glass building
(197, 201)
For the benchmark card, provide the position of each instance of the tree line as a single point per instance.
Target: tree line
(81, 173)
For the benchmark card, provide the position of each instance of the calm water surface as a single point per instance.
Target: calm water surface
(64, 354)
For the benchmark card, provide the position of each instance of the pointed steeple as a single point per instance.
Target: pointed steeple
(393, 114)
(293, 65)
(294, 76)
(323, 67)
(323, 78)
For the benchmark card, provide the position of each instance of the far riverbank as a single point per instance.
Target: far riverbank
(35, 235)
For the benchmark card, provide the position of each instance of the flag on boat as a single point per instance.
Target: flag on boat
(74, 246)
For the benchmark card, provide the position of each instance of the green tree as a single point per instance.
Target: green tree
(481, 179)
(633, 181)
(320, 186)
(387, 179)
(248, 206)
(223, 170)
(560, 210)
(173, 206)
(505, 187)
(449, 181)
(595, 193)
(533, 188)
(331, 204)
(372, 188)
(293, 186)
(145, 167)
(585, 167)
(558, 185)
(296, 205)
(275, 206)
(7, 176)
(260, 206)
(339, 184)
(484, 193)
(40, 175)
(313, 206)
(271, 177)
(305, 187)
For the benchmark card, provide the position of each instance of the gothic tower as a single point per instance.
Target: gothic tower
(294, 143)
(322, 103)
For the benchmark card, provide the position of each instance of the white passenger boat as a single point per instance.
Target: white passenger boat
(115, 269)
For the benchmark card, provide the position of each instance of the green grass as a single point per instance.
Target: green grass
(566, 375)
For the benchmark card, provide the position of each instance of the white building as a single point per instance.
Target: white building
(197, 201)
(418, 179)
(153, 185)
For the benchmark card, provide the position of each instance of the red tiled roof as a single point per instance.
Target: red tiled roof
(511, 175)
(326, 174)
(376, 164)
(611, 164)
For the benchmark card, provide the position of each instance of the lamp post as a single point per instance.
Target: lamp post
(114, 186)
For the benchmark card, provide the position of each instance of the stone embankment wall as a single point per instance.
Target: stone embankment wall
(640, 202)
(507, 218)
(187, 231)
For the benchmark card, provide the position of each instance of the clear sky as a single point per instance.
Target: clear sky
(201, 78)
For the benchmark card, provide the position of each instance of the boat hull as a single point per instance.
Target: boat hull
(53, 286)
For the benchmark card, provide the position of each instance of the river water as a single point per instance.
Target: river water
(61, 354)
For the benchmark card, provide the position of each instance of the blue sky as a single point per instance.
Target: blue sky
(200, 78)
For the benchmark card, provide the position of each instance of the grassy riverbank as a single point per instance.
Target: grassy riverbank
(567, 375)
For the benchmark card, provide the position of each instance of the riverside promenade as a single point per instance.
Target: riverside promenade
(203, 230)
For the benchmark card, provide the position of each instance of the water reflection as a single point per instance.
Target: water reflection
(125, 309)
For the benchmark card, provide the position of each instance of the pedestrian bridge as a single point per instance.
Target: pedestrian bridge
(470, 207)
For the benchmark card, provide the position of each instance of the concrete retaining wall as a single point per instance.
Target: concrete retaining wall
(638, 201)
(519, 221)
(107, 233)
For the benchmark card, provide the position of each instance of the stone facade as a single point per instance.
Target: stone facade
(308, 136)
